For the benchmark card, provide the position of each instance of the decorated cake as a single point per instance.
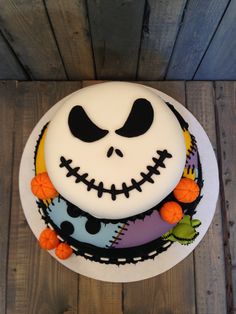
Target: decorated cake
(117, 176)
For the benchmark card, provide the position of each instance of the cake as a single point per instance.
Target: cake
(117, 176)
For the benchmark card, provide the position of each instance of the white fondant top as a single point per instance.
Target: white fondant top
(101, 149)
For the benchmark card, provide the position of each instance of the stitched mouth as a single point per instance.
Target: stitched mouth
(152, 170)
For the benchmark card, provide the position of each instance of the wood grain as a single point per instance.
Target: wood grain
(200, 21)
(226, 116)
(37, 283)
(27, 29)
(169, 293)
(6, 152)
(219, 62)
(234, 288)
(99, 297)
(209, 254)
(161, 24)
(116, 32)
(226, 109)
(164, 293)
(70, 25)
(9, 66)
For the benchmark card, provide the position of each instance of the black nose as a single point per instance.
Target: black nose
(117, 151)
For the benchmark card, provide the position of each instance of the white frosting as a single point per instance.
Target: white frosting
(108, 105)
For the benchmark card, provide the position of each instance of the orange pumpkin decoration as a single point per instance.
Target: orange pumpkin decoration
(186, 190)
(171, 212)
(42, 187)
(48, 239)
(63, 251)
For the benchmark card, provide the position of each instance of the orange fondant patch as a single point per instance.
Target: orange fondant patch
(42, 186)
(63, 251)
(48, 239)
(186, 191)
(171, 212)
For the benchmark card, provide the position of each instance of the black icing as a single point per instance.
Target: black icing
(110, 151)
(73, 211)
(93, 226)
(182, 122)
(139, 120)
(82, 127)
(67, 227)
(119, 152)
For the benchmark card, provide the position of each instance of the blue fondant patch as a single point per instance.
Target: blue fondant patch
(99, 235)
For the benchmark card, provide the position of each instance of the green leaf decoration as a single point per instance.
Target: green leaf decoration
(185, 220)
(171, 238)
(184, 231)
(196, 223)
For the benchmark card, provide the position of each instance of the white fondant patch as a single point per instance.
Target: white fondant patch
(108, 106)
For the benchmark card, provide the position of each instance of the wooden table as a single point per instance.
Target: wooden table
(31, 281)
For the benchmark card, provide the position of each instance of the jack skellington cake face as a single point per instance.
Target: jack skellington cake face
(114, 150)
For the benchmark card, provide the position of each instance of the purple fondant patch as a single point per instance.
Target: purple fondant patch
(139, 232)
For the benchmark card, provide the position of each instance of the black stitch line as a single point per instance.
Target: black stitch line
(136, 185)
(125, 189)
(90, 184)
(152, 169)
(113, 192)
(119, 232)
(117, 238)
(100, 189)
(146, 177)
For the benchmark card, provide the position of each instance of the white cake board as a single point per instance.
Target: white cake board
(142, 270)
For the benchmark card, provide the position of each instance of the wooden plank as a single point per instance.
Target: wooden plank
(174, 89)
(97, 296)
(209, 254)
(27, 29)
(116, 31)
(6, 152)
(70, 25)
(161, 25)
(200, 22)
(234, 288)
(10, 67)
(219, 63)
(226, 116)
(226, 112)
(171, 292)
(37, 283)
(164, 293)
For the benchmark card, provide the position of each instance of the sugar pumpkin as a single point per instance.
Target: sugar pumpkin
(42, 187)
(171, 212)
(48, 239)
(63, 251)
(186, 191)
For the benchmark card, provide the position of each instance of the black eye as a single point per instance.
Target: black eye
(82, 127)
(139, 119)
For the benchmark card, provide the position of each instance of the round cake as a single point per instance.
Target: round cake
(117, 176)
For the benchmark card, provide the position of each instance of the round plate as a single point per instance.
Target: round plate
(148, 268)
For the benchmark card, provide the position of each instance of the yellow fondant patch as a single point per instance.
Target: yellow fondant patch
(188, 141)
(189, 173)
(40, 165)
(39, 161)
